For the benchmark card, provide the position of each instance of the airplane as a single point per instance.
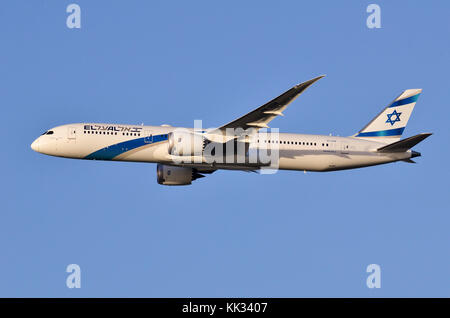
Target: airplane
(181, 153)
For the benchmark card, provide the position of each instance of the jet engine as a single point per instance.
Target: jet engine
(185, 143)
(172, 175)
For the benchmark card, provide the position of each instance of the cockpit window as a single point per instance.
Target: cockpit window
(49, 132)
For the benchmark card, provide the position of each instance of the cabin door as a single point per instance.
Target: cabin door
(72, 133)
(148, 137)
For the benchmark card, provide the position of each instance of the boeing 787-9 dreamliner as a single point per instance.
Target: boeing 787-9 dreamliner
(186, 154)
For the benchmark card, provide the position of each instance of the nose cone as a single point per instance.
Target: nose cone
(35, 145)
(46, 145)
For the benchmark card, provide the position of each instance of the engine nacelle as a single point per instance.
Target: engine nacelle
(172, 175)
(185, 143)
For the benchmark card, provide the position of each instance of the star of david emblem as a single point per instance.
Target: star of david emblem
(394, 117)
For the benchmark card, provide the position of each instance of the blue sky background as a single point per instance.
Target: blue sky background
(231, 234)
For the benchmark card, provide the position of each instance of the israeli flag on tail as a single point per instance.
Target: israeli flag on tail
(389, 125)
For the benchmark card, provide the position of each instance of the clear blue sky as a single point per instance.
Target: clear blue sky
(233, 233)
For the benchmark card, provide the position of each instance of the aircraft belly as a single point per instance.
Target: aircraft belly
(330, 162)
(307, 162)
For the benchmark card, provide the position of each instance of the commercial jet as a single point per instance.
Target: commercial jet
(183, 155)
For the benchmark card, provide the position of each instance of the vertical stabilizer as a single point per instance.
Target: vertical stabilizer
(389, 125)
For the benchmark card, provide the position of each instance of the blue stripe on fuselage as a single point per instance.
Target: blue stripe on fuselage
(108, 153)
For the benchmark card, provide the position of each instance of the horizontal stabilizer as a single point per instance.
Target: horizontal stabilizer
(405, 144)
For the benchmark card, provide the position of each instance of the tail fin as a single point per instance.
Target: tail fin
(388, 126)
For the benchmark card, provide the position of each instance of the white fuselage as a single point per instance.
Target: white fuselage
(150, 144)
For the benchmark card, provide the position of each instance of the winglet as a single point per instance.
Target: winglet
(306, 84)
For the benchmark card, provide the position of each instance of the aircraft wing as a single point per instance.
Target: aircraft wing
(260, 117)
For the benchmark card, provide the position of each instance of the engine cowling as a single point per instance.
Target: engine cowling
(172, 175)
(185, 143)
